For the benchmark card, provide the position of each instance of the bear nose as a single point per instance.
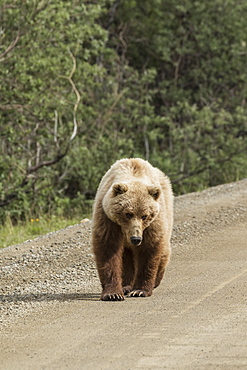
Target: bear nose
(135, 240)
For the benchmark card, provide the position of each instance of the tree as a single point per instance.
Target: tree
(153, 79)
(198, 52)
(47, 59)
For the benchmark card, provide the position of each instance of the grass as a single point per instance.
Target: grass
(32, 228)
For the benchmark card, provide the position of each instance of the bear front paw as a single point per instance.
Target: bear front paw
(112, 297)
(138, 293)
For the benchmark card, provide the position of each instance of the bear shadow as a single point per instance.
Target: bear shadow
(62, 297)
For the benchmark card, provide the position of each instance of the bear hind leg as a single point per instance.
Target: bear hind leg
(127, 271)
(161, 269)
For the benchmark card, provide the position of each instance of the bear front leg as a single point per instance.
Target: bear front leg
(107, 241)
(110, 270)
(146, 270)
(108, 256)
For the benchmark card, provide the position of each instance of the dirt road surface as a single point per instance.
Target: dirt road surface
(51, 316)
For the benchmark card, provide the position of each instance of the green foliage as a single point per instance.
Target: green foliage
(162, 80)
(198, 48)
(206, 146)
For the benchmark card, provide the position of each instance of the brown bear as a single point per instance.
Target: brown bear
(132, 226)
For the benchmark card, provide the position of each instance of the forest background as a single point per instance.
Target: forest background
(84, 83)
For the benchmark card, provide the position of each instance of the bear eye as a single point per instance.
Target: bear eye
(129, 215)
(144, 217)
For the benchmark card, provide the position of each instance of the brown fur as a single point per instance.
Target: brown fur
(132, 225)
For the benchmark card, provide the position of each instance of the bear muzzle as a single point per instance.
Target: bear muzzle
(135, 240)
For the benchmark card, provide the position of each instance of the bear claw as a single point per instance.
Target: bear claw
(137, 293)
(112, 297)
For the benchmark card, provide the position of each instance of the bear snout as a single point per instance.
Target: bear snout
(135, 240)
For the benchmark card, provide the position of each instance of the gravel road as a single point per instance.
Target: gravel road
(51, 316)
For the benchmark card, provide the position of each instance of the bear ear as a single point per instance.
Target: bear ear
(154, 191)
(118, 189)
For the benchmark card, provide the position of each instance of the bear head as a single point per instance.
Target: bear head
(133, 206)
